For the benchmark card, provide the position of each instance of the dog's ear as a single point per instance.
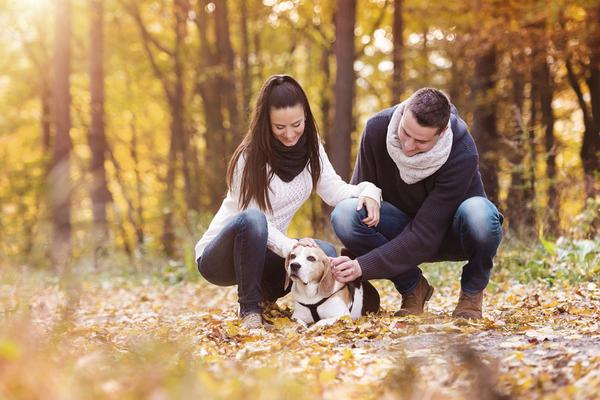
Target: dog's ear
(286, 284)
(327, 282)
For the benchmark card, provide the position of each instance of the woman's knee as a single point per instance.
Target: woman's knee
(213, 274)
(254, 222)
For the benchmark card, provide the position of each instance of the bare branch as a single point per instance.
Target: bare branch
(134, 12)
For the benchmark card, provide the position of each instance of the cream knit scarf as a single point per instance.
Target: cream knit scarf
(418, 167)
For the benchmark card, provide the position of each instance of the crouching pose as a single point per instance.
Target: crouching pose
(271, 174)
(424, 159)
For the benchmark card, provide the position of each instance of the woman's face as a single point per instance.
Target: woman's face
(287, 124)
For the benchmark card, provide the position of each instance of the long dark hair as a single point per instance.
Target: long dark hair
(279, 91)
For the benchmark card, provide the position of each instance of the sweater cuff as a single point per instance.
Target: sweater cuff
(287, 247)
(368, 265)
(372, 192)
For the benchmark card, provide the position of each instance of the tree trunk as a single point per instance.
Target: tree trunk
(227, 76)
(137, 225)
(207, 86)
(484, 120)
(546, 93)
(398, 54)
(532, 138)
(344, 86)
(245, 51)
(139, 210)
(181, 10)
(457, 87)
(99, 192)
(425, 75)
(178, 143)
(590, 149)
(516, 199)
(520, 211)
(46, 122)
(60, 182)
(325, 97)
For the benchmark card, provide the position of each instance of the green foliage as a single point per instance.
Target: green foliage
(586, 224)
(566, 260)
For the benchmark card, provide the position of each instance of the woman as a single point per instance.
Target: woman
(271, 174)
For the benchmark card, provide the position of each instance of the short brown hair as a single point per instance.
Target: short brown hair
(430, 107)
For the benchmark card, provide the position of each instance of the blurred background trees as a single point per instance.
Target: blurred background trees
(119, 116)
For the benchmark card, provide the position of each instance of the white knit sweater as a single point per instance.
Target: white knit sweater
(286, 198)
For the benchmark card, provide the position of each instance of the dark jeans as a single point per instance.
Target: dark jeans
(474, 236)
(238, 255)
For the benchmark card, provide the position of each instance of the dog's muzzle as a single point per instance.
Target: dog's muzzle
(294, 267)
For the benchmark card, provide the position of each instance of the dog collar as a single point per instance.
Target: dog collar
(313, 307)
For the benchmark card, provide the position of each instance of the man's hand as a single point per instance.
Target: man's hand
(372, 210)
(345, 270)
(306, 242)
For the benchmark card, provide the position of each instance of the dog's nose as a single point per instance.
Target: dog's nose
(294, 267)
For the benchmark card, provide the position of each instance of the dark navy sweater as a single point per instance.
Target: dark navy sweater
(431, 203)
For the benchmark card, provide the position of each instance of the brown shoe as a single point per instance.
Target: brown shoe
(413, 302)
(469, 306)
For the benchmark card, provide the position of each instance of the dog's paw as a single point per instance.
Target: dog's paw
(324, 323)
(300, 322)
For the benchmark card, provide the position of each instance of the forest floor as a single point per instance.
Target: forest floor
(116, 335)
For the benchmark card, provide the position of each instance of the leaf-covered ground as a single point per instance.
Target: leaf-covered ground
(120, 336)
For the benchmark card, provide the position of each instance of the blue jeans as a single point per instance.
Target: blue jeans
(475, 235)
(238, 255)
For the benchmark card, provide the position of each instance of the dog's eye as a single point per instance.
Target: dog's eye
(292, 256)
(311, 258)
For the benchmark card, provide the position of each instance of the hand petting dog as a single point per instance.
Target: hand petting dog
(345, 269)
(306, 242)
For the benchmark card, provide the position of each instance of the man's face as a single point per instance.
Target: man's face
(415, 138)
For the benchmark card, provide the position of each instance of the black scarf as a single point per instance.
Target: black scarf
(288, 162)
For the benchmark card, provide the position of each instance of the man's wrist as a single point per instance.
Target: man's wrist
(359, 267)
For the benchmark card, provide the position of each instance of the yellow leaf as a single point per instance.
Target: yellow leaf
(9, 350)
(327, 376)
(580, 311)
(280, 323)
(231, 329)
(551, 304)
(314, 361)
(347, 354)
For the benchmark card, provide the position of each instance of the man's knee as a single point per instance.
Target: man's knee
(481, 219)
(344, 217)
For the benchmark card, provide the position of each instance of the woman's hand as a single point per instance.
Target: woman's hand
(372, 210)
(306, 242)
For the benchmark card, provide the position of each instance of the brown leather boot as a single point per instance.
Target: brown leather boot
(413, 302)
(469, 306)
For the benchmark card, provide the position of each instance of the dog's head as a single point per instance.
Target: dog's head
(310, 265)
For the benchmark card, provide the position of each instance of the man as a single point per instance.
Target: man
(424, 159)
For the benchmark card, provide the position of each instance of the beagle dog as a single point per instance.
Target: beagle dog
(318, 297)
